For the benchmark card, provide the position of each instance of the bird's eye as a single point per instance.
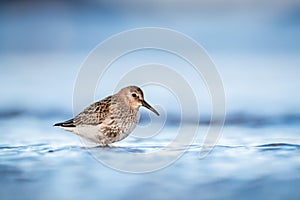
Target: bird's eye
(134, 95)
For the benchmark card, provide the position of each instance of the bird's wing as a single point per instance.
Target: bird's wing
(95, 113)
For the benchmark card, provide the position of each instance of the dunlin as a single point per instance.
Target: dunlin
(111, 119)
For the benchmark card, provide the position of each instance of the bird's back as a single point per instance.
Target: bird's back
(104, 122)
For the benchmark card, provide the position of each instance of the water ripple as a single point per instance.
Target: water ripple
(278, 146)
(43, 148)
(40, 148)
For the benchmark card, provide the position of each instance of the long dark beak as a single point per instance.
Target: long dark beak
(145, 104)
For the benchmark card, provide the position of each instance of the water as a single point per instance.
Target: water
(40, 161)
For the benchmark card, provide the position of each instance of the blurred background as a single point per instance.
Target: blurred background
(255, 46)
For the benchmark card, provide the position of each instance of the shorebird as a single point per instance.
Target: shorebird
(111, 119)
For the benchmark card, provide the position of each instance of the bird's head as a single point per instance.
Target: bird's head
(135, 97)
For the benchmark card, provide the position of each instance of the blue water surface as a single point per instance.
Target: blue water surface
(39, 161)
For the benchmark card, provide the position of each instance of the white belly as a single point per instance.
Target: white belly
(93, 133)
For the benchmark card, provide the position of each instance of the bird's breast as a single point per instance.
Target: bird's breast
(127, 122)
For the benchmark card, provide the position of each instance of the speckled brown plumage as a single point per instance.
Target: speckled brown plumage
(111, 119)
